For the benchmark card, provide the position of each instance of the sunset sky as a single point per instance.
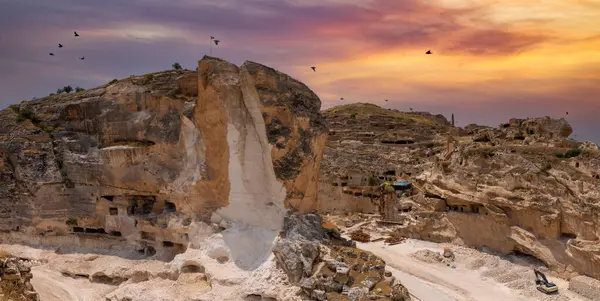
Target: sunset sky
(492, 59)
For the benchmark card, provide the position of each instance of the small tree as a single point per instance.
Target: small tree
(176, 66)
(79, 89)
(67, 89)
(59, 91)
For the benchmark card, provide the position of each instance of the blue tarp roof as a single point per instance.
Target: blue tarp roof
(402, 183)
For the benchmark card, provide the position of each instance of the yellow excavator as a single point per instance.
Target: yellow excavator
(542, 283)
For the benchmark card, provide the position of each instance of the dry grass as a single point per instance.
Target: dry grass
(4, 254)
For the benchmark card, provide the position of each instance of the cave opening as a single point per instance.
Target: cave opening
(141, 205)
(113, 211)
(149, 251)
(95, 231)
(115, 233)
(567, 236)
(78, 229)
(147, 236)
(169, 207)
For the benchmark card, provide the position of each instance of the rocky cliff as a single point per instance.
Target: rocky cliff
(135, 162)
(520, 188)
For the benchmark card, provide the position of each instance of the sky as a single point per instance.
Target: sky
(492, 59)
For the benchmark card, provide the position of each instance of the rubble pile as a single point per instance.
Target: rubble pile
(330, 268)
(15, 275)
(360, 236)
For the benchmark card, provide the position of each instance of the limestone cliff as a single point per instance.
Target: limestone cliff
(521, 188)
(136, 164)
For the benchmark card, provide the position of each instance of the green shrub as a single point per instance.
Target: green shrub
(27, 113)
(559, 155)
(176, 66)
(149, 76)
(59, 91)
(79, 89)
(67, 89)
(63, 172)
(15, 108)
(71, 222)
(114, 81)
(574, 152)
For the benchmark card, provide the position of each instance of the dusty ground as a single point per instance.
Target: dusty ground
(199, 274)
(472, 276)
(475, 276)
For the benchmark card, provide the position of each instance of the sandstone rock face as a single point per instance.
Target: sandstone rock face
(135, 166)
(15, 276)
(521, 188)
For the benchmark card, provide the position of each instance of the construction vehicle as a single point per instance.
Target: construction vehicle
(542, 283)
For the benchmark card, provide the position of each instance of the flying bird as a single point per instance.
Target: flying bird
(212, 38)
(75, 33)
(314, 69)
(217, 42)
(51, 53)
(341, 98)
(567, 113)
(428, 52)
(81, 58)
(386, 100)
(411, 109)
(59, 45)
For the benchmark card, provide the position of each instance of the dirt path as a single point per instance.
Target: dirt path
(438, 282)
(50, 288)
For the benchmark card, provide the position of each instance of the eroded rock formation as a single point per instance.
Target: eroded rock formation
(134, 164)
(521, 188)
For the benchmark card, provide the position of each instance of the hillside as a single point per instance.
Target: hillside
(520, 188)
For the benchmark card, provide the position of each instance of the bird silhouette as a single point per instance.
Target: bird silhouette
(75, 34)
(217, 42)
(314, 69)
(428, 52)
(386, 100)
(81, 58)
(212, 38)
(59, 45)
(341, 98)
(567, 113)
(51, 53)
(411, 109)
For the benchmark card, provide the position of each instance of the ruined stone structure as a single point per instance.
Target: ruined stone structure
(524, 186)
